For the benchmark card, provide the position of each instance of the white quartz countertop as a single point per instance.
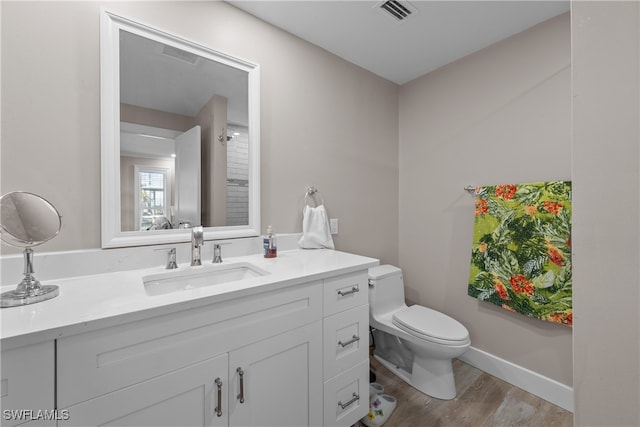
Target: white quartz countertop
(91, 302)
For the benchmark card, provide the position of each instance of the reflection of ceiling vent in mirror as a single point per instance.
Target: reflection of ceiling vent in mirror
(180, 55)
(400, 10)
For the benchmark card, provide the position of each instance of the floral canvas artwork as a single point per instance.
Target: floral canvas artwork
(521, 256)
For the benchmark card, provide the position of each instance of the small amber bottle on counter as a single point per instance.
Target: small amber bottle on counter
(270, 249)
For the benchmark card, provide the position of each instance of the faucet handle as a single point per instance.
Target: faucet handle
(171, 257)
(217, 252)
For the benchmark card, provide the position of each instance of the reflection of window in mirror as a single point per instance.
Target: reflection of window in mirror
(153, 198)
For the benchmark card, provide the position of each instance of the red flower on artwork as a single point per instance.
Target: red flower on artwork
(552, 207)
(506, 191)
(481, 207)
(521, 285)
(501, 289)
(555, 256)
(563, 318)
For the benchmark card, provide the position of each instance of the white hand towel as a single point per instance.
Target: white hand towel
(315, 229)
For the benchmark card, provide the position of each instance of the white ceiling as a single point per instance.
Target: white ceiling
(438, 33)
(154, 75)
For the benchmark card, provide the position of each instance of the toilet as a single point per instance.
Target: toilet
(415, 343)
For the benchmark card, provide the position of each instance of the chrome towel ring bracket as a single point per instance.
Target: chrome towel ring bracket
(470, 189)
(312, 194)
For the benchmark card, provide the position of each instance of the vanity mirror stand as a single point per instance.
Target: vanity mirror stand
(27, 220)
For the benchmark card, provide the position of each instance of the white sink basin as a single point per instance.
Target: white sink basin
(199, 277)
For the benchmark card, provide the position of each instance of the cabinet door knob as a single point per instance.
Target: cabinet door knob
(219, 407)
(241, 394)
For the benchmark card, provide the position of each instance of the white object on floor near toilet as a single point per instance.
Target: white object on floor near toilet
(416, 343)
(381, 406)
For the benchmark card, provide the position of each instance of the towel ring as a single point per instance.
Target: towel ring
(311, 194)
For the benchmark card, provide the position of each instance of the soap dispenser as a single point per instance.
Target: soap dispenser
(270, 249)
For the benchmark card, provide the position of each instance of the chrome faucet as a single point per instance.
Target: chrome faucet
(197, 240)
(217, 253)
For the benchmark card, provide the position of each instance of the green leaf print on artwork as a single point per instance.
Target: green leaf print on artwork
(521, 254)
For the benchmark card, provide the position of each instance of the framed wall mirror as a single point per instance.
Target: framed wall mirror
(180, 138)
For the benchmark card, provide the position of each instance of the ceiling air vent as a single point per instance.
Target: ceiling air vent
(180, 55)
(399, 10)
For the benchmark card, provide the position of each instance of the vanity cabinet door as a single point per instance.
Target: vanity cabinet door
(27, 386)
(184, 397)
(278, 381)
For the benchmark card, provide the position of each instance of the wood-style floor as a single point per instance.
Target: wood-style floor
(482, 400)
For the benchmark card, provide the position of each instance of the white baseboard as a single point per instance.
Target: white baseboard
(550, 390)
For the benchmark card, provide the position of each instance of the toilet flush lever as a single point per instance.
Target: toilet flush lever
(353, 290)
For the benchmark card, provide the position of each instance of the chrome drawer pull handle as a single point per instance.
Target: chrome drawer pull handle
(241, 395)
(353, 290)
(355, 338)
(344, 405)
(219, 407)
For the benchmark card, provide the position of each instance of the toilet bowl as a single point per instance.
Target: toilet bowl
(416, 343)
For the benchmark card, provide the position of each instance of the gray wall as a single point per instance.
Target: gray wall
(499, 116)
(325, 122)
(606, 165)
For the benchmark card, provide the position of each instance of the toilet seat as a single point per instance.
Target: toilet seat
(431, 325)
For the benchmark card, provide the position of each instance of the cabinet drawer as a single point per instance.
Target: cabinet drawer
(345, 292)
(346, 340)
(98, 362)
(346, 396)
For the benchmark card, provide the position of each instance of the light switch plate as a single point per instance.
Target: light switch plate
(333, 225)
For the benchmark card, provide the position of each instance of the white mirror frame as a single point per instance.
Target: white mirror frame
(112, 234)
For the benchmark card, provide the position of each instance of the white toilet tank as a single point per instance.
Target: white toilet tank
(386, 292)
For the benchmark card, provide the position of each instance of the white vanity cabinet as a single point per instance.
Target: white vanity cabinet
(166, 370)
(291, 350)
(277, 387)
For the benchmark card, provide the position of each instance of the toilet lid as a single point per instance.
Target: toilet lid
(423, 321)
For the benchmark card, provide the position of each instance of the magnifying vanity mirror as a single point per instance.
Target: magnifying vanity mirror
(27, 220)
(180, 138)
